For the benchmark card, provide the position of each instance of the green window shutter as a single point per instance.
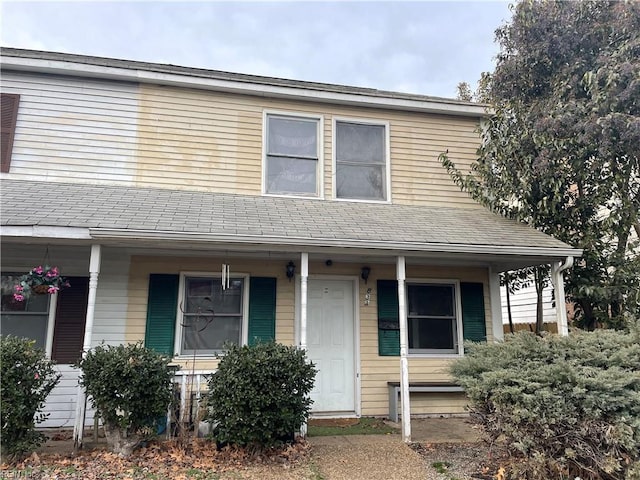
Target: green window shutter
(388, 318)
(162, 307)
(473, 319)
(262, 310)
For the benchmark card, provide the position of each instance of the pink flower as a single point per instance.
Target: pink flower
(36, 376)
(18, 288)
(18, 298)
(53, 272)
(38, 270)
(52, 289)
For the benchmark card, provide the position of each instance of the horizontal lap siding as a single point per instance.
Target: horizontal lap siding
(73, 130)
(112, 298)
(524, 305)
(203, 140)
(95, 131)
(61, 402)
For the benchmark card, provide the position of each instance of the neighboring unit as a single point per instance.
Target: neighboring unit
(193, 208)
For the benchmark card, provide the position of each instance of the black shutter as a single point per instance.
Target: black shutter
(71, 314)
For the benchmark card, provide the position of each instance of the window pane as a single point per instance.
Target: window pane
(208, 334)
(199, 287)
(360, 182)
(29, 326)
(212, 316)
(27, 319)
(360, 143)
(432, 333)
(294, 137)
(431, 300)
(291, 175)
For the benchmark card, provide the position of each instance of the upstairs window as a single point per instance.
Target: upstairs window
(9, 103)
(361, 163)
(292, 156)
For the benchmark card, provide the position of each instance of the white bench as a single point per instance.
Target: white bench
(430, 387)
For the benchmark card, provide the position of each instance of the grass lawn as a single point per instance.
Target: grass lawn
(349, 426)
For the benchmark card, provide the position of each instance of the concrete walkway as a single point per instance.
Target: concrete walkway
(382, 457)
(366, 457)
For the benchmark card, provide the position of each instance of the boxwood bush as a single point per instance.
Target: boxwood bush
(259, 396)
(26, 379)
(566, 407)
(131, 388)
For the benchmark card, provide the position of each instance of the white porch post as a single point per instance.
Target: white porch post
(496, 305)
(94, 271)
(558, 287)
(304, 277)
(404, 342)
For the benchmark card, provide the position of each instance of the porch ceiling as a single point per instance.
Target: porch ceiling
(172, 219)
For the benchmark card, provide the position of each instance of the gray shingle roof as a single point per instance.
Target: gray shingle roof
(171, 212)
(221, 75)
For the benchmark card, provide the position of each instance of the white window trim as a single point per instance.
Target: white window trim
(320, 146)
(51, 319)
(458, 305)
(177, 341)
(387, 140)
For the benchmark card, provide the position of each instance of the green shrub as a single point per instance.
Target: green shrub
(130, 386)
(260, 394)
(566, 407)
(26, 379)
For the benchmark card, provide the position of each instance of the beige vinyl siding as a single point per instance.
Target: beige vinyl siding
(212, 141)
(143, 266)
(73, 130)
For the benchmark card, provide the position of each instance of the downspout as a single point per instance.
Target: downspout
(81, 399)
(558, 283)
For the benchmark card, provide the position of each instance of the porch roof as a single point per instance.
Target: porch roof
(137, 214)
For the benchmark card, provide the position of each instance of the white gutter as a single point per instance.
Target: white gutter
(558, 284)
(129, 234)
(305, 91)
(44, 231)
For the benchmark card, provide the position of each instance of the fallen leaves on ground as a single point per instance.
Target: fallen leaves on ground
(463, 460)
(198, 459)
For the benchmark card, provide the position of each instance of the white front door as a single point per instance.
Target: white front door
(330, 345)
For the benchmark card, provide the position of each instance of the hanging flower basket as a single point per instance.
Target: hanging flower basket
(39, 281)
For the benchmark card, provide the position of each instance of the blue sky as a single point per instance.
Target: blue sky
(418, 47)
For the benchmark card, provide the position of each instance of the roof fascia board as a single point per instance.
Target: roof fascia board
(44, 231)
(244, 87)
(99, 233)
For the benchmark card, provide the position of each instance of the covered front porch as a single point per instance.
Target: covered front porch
(326, 300)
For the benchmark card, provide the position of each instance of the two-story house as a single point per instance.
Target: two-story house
(190, 208)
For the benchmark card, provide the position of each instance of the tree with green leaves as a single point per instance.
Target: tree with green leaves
(560, 149)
